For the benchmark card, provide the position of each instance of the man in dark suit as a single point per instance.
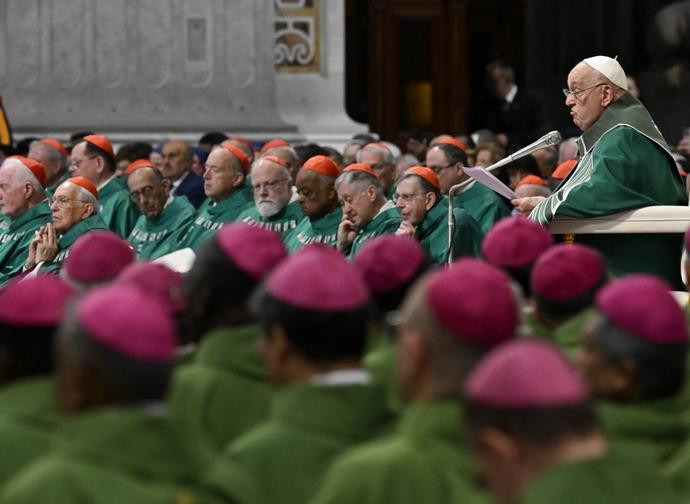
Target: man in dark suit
(513, 114)
(177, 164)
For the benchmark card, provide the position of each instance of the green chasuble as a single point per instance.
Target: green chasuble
(66, 240)
(427, 460)
(323, 230)
(624, 164)
(116, 456)
(309, 425)
(486, 206)
(432, 233)
(223, 391)
(380, 361)
(16, 238)
(29, 416)
(612, 479)
(211, 216)
(118, 211)
(283, 222)
(153, 238)
(387, 221)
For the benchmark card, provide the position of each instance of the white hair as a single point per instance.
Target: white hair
(23, 175)
(86, 197)
(387, 156)
(284, 172)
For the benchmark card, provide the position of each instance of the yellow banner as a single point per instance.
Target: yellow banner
(5, 130)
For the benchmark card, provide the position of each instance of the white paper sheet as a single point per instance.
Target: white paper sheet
(489, 180)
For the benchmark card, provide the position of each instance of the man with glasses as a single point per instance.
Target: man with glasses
(624, 163)
(448, 159)
(162, 214)
(425, 217)
(177, 167)
(272, 187)
(93, 158)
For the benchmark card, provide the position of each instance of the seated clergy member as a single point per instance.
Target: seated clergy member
(226, 375)
(23, 203)
(75, 211)
(448, 159)
(30, 312)
(633, 357)
(313, 311)
(227, 196)
(93, 158)
(319, 203)
(536, 437)
(115, 354)
(162, 214)
(379, 157)
(425, 217)
(441, 337)
(366, 211)
(52, 154)
(177, 167)
(272, 187)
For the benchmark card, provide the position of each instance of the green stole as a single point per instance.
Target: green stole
(323, 230)
(283, 222)
(15, 240)
(483, 204)
(153, 238)
(118, 211)
(387, 221)
(432, 233)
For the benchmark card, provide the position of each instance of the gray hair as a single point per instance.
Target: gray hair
(360, 181)
(53, 155)
(284, 172)
(386, 154)
(86, 197)
(23, 175)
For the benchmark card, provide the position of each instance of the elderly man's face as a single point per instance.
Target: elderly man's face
(13, 196)
(316, 195)
(177, 159)
(359, 207)
(41, 153)
(272, 188)
(412, 201)
(448, 175)
(81, 164)
(221, 175)
(586, 105)
(68, 208)
(148, 191)
(385, 171)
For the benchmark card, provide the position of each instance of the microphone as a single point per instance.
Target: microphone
(551, 138)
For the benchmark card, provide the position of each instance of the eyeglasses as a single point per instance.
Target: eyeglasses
(567, 92)
(270, 185)
(406, 198)
(78, 163)
(62, 201)
(438, 169)
(146, 192)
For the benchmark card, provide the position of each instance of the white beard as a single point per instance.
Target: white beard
(267, 208)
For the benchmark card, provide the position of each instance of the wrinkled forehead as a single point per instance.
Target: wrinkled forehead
(265, 170)
(582, 75)
(67, 189)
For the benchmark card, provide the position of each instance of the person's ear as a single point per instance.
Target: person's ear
(88, 211)
(607, 95)
(497, 444)
(621, 379)
(429, 200)
(459, 169)
(372, 193)
(239, 179)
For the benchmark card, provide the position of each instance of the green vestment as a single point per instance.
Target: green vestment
(118, 211)
(387, 221)
(323, 230)
(309, 425)
(211, 216)
(380, 361)
(223, 391)
(483, 204)
(16, 238)
(625, 164)
(432, 233)
(283, 222)
(427, 460)
(66, 240)
(153, 238)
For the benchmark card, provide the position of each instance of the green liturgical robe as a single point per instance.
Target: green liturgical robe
(16, 237)
(625, 164)
(426, 460)
(380, 361)
(483, 204)
(223, 391)
(153, 238)
(387, 221)
(116, 456)
(323, 230)
(610, 479)
(432, 233)
(211, 216)
(283, 222)
(118, 211)
(309, 425)
(29, 415)
(67, 240)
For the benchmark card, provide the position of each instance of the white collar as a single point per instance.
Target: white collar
(386, 206)
(103, 184)
(177, 183)
(340, 377)
(511, 94)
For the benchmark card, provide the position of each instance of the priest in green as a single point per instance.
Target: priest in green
(272, 187)
(366, 211)
(115, 355)
(318, 201)
(313, 312)
(425, 217)
(624, 163)
(24, 206)
(538, 440)
(441, 335)
(93, 159)
(75, 211)
(52, 154)
(378, 156)
(162, 214)
(448, 160)
(29, 414)
(226, 191)
(223, 391)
